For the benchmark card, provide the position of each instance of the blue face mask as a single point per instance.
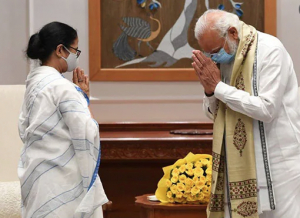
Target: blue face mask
(222, 57)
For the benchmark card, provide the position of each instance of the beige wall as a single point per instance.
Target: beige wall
(13, 37)
(133, 101)
(288, 29)
(148, 101)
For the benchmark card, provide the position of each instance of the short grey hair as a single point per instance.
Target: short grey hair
(222, 22)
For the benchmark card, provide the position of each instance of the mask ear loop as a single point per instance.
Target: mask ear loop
(67, 49)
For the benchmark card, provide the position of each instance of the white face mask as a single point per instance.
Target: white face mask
(72, 61)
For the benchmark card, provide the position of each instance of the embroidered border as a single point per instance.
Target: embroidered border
(243, 189)
(249, 42)
(263, 140)
(240, 84)
(217, 109)
(246, 208)
(217, 162)
(220, 182)
(216, 203)
(240, 136)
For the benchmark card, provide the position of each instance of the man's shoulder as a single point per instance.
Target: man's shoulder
(268, 41)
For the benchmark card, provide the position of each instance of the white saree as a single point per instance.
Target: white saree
(61, 150)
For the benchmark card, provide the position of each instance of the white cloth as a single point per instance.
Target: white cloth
(278, 107)
(61, 148)
(10, 200)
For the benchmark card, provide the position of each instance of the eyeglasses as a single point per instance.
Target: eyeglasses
(78, 52)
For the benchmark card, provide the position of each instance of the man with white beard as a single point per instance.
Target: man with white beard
(254, 102)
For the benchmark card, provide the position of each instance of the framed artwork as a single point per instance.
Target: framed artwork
(152, 40)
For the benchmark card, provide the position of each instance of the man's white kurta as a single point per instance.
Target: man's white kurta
(61, 149)
(278, 107)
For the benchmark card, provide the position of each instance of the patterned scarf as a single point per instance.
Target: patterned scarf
(233, 143)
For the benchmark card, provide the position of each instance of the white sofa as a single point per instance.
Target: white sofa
(11, 99)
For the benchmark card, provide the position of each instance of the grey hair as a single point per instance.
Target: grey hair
(221, 22)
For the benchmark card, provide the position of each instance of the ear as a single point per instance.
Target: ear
(59, 50)
(232, 31)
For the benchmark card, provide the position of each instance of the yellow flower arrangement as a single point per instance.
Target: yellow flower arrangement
(189, 166)
(180, 187)
(198, 164)
(188, 189)
(198, 172)
(179, 194)
(182, 178)
(174, 179)
(188, 180)
(175, 172)
(195, 190)
(169, 183)
(189, 172)
(173, 189)
(182, 168)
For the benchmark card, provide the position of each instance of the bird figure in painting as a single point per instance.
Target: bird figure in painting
(139, 29)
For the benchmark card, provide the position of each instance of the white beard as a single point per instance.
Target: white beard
(232, 45)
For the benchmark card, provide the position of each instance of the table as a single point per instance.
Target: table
(150, 209)
(133, 155)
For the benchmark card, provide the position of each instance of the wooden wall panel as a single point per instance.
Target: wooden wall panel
(105, 16)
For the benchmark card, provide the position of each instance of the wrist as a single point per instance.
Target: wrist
(87, 92)
(87, 98)
(211, 91)
(209, 94)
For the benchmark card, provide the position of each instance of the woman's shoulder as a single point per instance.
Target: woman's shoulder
(63, 86)
(64, 90)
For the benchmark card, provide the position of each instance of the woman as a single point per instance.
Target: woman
(61, 155)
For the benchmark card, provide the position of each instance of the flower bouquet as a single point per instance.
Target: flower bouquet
(188, 180)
